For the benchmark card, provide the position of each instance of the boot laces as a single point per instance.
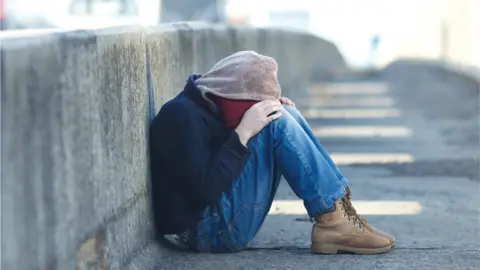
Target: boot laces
(351, 213)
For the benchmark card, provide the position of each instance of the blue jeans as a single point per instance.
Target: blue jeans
(287, 147)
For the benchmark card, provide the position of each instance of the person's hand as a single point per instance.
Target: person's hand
(287, 101)
(257, 117)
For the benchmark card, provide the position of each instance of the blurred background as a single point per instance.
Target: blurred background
(409, 135)
(369, 33)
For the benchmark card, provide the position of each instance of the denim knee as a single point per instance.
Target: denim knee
(294, 113)
(287, 120)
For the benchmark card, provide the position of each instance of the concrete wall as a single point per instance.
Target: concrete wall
(75, 109)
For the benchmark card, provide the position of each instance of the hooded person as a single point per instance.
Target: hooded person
(213, 186)
(237, 82)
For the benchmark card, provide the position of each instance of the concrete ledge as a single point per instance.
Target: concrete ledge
(455, 75)
(74, 128)
(428, 84)
(75, 113)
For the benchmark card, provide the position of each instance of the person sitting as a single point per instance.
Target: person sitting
(218, 151)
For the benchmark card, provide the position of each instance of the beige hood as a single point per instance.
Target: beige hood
(245, 75)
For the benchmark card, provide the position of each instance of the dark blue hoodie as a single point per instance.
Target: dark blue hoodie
(194, 158)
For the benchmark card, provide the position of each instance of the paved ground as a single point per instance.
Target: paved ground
(411, 152)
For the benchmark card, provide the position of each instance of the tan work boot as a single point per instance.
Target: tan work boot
(366, 224)
(344, 231)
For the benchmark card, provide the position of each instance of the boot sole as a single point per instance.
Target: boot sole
(335, 249)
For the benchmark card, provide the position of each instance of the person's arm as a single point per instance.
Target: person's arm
(183, 136)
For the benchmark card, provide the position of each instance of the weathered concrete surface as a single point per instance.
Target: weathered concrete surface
(430, 203)
(75, 112)
(74, 172)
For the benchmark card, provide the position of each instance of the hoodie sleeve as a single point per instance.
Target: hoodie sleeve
(183, 137)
